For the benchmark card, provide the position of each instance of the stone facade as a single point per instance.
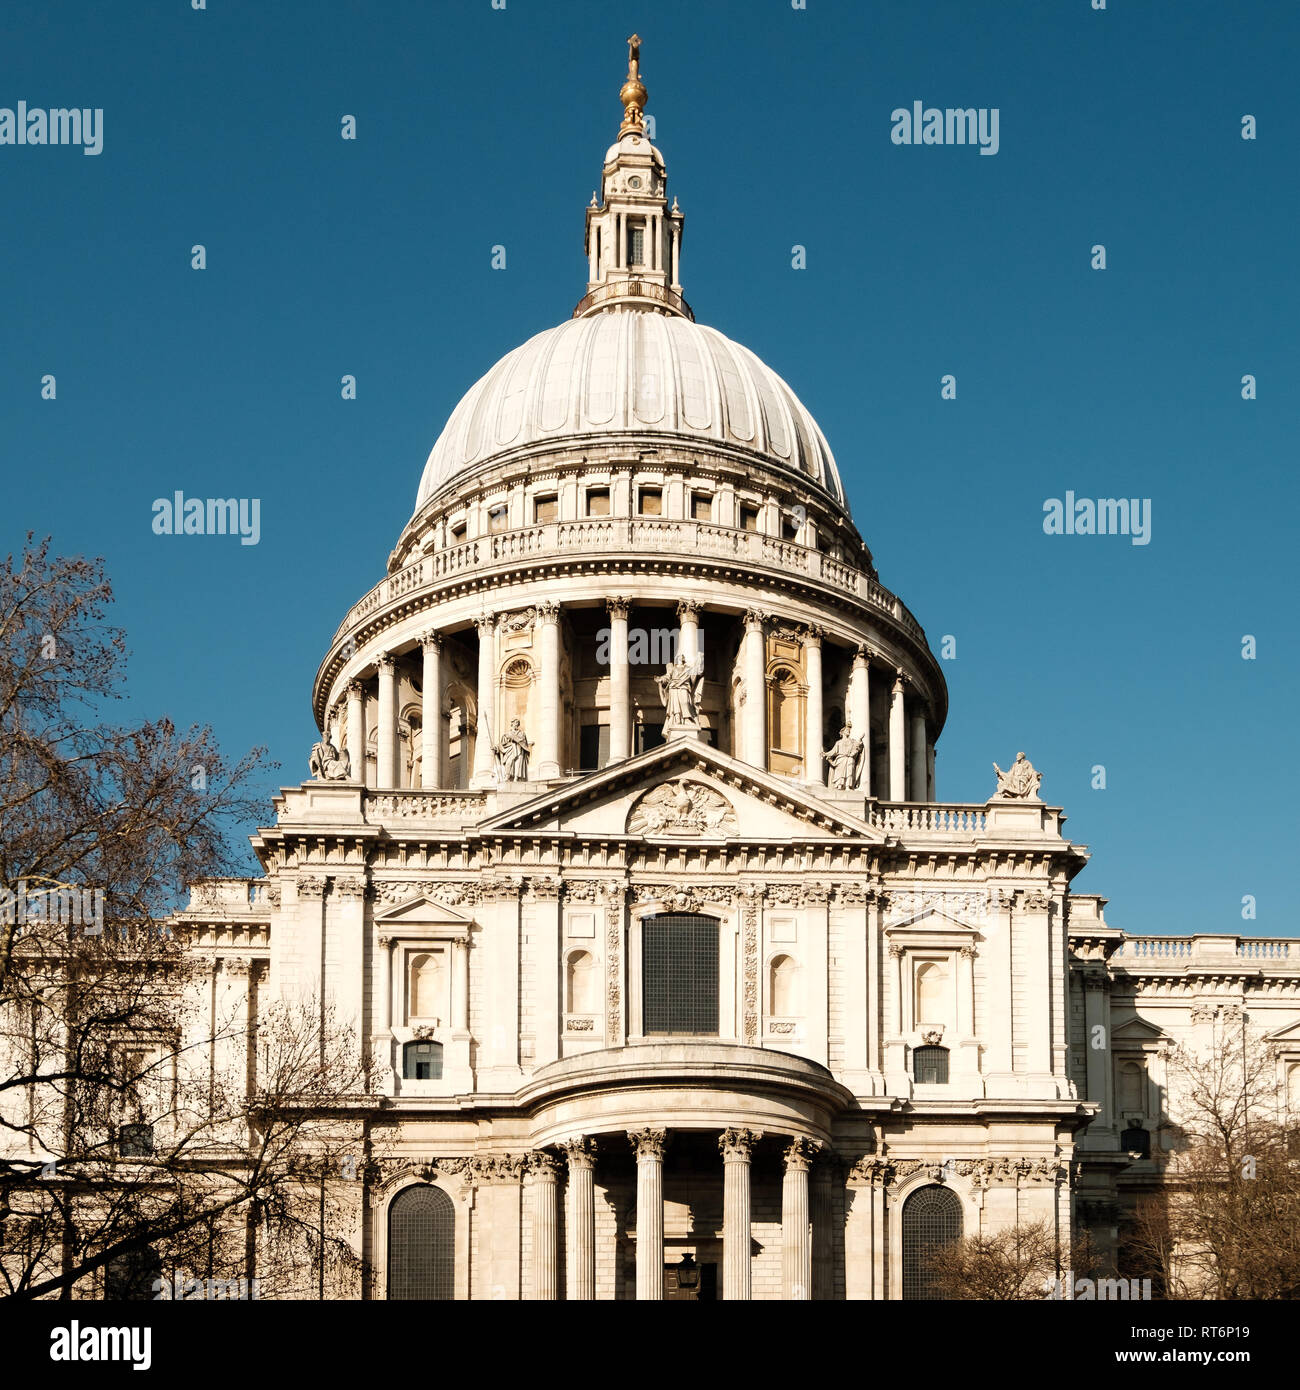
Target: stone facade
(896, 994)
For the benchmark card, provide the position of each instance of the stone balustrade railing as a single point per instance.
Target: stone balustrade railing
(242, 894)
(627, 535)
(440, 807)
(1208, 949)
(952, 818)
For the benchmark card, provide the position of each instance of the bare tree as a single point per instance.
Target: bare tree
(1226, 1224)
(138, 1138)
(1018, 1263)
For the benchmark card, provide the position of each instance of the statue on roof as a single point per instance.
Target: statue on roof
(1019, 781)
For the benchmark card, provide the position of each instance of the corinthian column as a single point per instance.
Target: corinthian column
(737, 1146)
(897, 785)
(796, 1234)
(386, 774)
(755, 712)
(357, 731)
(548, 736)
(484, 773)
(620, 703)
(814, 767)
(581, 1156)
(431, 714)
(649, 1146)
(542, 1167)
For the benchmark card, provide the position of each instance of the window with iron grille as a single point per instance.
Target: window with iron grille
(930, 1066)
(679, 973)
(931, 1218)
(421, 1244)
(422, 1061)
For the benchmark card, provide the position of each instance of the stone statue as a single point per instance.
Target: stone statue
(845, 759)
(325, 764)
(1019, 780)
(513, 750)
(681, 688)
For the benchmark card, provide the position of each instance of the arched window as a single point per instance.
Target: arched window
(932, 993)
(1132, 1087)
(930, 1066)
(1136, 1140)
(422, 1061)
(1293, 1088)
(421, 1244)
(428, 987)
(581, 983)
(679, 973)
(931, 1218)
(783, 984)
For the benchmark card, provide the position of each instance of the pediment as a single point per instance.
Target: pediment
(1288, 1035)
(419, 909)
(684, 792)
(932, 921)
(1137, 1030)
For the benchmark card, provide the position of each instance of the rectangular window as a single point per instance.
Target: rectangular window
(498, 518)
(635, 244)
(597, 501)
(749, 518)
(651, 502)
(701, 506)
(789, 527)
(546, 509)
(679, 954)
(593, 747)
(648, 736)
(458, 533)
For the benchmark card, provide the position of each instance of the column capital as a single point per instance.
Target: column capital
(812, 635)
(755, 619)
(356, 689)
(386, 664)
(861, 658)
(648, 1143)
(549, 612)
(689, 608)
(736, 1145)
(431, 640)
(541, 1165)
(618, 606)
(486, 624)
(799, 1155)
(899, 682)
(580, 1151)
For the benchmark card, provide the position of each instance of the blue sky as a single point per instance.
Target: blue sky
(480, 127)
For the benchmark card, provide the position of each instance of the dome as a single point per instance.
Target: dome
(640, 374)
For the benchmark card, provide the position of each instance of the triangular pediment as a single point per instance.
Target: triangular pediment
(1288, 1034)
(422, 910)
(931, 919)
(1137, 1030)
(683, 792)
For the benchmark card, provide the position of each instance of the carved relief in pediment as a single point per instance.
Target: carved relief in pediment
(682, 807)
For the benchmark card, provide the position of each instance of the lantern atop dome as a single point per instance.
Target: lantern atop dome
(634, 239)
